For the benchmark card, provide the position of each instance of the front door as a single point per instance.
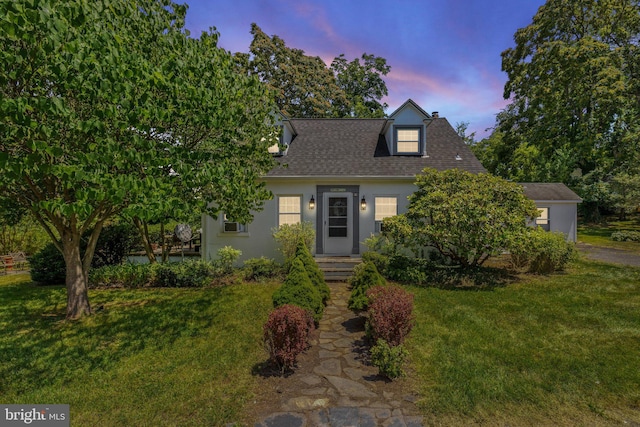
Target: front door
(338, 223)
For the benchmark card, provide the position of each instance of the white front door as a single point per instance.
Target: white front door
(338, 223)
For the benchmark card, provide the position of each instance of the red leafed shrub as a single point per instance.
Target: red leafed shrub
(390, 314)
(286, 334)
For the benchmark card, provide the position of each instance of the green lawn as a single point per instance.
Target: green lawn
(563, 349)
(600, 234)
(149, 357)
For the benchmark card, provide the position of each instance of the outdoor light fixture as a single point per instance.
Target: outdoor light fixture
(312, 202)
(363, 203)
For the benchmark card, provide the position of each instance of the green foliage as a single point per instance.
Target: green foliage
(110, 107)
(541, 251)
(405, 269)
(227, 256)
(305, 87)
(388, 359)
(255, 269)
(23, 236)
(288, 236)
(625, 236)
(379, 260)
(313, 271)
(573, 91)
(466, 217)
(186, 274)
(298, 289)
(625, 189)
(130, 276)
(47, 266)
(114, 244)
(365, 276)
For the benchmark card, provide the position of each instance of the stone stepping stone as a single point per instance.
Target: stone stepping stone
(347, 387)
(328, 367)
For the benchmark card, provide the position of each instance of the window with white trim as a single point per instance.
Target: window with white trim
(229, 226)
(543, 219)
(384, 207)
(289, 210)
(407, 140)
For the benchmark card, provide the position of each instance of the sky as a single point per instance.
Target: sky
(445, 55)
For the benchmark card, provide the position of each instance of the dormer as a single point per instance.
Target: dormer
(282, 135)
(405, 131)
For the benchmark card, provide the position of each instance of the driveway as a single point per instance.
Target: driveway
(616, 256)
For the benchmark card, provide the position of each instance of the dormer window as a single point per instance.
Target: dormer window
(279, 147)
(408, 140)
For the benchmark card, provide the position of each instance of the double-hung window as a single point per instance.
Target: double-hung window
(384, 207)
(408, 140)
(543, 219)
(289, 210)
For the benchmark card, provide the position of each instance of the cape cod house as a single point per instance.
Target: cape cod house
(346, 175)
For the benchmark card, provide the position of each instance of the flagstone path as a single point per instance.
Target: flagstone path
(334, 385)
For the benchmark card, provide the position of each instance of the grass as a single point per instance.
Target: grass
(148, 357)
(600, 234)
(550, 350)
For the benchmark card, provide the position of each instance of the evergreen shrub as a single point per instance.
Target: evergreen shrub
(313, 271)
(297, 289)
(365, 276)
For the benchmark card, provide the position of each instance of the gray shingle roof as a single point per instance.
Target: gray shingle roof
(356, 148)
(549, 192)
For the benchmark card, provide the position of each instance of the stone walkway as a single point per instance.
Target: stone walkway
(342, 389)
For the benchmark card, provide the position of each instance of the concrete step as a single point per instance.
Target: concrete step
(337, 269)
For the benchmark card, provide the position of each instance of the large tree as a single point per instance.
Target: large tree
(573, 85)
(107, 106)
(306, 87)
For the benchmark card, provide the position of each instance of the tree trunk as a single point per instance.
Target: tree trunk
(76, 278)
(143, 229)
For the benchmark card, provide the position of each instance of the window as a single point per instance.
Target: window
(408, 140)
(384, 207)
(289, 211)
(233, 227)
(543, 219)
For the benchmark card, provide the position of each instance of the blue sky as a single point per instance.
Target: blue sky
(445, 54)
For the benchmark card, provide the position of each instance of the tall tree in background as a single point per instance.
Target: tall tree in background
(573, 85)
(107, 107)
(305, 87)
(363, 84)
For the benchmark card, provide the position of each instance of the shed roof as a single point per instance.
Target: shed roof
(549, 192)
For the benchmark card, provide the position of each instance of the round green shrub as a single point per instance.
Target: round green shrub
(47, 266)
(540, 251)
(388, 359)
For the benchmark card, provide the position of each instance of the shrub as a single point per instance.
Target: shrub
(379, 260)
(114, 243)
(313, 271)
(47, 266)
(259, 268)
(390, 314)
(186, 274)
(286, 334)
(406, 269)
(227, 256)
(626, 236)
(123, 276)
(297, 289)
(288, 236)
(541, 251)
(365, 276)
(388, 359)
